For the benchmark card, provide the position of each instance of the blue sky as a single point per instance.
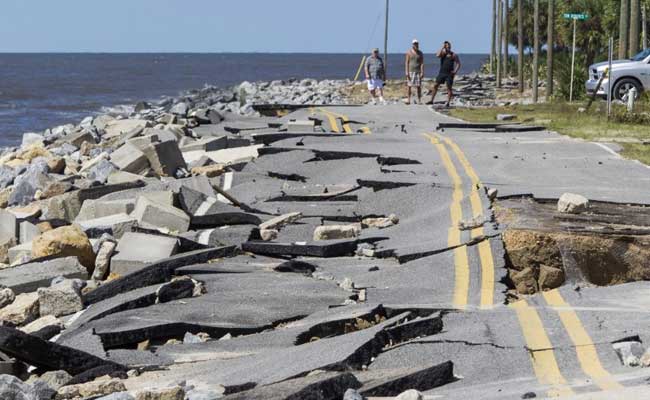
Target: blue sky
(344, 26)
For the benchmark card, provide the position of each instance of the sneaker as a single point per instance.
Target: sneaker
(373, 102)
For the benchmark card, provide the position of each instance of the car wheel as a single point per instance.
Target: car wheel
(623, 86)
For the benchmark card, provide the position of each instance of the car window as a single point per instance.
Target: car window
(642, 55)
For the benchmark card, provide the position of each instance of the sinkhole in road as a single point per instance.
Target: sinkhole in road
(607, 245)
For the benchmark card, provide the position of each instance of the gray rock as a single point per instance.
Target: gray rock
(282, 220)
(22, 311)
(64, 150)
(7, 176)
(29, 277)
(61, 299)
(103, 260)
(93, 209)
(197, 394)
(180, 109)
(352, 394)
(572, 203)
(26, 185)
(332, 232)
(13, 388)
(56, 379)
(190, 338)
(7, 296)
(42, 390)
(506, 117)
(101, 171)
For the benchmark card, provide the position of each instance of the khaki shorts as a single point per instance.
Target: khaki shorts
(414, 79)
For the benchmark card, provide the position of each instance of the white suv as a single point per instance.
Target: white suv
(625, 75)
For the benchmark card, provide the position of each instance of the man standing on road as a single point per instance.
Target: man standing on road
(449, 67)
(414, 70)
(376, 76)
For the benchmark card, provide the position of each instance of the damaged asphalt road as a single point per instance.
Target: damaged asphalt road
(374, 256)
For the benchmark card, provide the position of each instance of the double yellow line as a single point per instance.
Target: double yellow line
(333, 118)
(542, 354)
(461, 259)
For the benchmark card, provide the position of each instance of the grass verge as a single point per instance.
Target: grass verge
(564, 118)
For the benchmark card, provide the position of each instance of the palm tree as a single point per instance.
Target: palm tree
(494, 35)
(550, 40)
(506, 35)
(623, 29)
(536, 52)
(635, 23)
(520, 44)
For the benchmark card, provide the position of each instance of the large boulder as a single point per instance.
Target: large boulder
(571, 203)
(12, 388)
(65, 242)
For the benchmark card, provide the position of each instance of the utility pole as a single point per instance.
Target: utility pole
(494, 36)
(386, 39)
(550, 42)
(520, 44)
(506, 36)
(499, 42)
(536, 52)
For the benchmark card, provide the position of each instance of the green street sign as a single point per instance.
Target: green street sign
(576, 16)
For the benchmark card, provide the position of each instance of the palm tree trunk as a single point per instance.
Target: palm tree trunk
(499, 43)
(506, 35)
(520, 44)
(494, 36)
(536, 52)
(644, 27)
(550, 41)
(623, 29)
(635, 23)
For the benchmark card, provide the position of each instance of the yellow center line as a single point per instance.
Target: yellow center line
(484, 249)
(585, 348)
(461, 261)
(334, 126)
(542, 355)
(344, 119)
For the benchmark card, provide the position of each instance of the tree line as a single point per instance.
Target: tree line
(520, 23)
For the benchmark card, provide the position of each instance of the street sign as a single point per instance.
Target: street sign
(576, 16)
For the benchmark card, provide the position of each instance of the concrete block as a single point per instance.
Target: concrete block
(115, 225)
(122, 177)
(136, 250)
(165, 197)
(117, 127)
(301, 126)
(79, 138)
(27, 232)
(28, 277)
(148, 212)
(165, 158)
(92, 209)
(17, 252)
(207, 144)
(8, 226)
(129, 158)
(228, 156)
(141, 142)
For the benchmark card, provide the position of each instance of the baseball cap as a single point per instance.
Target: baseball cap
(415, 41)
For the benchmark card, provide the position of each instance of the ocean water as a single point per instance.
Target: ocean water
(40, 91)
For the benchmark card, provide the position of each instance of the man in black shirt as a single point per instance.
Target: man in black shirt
(449, 66)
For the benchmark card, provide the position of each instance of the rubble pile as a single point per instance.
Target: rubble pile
(133, 242)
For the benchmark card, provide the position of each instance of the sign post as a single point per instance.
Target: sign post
(575, 18)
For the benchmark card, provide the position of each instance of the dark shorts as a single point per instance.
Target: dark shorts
(447, 79)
